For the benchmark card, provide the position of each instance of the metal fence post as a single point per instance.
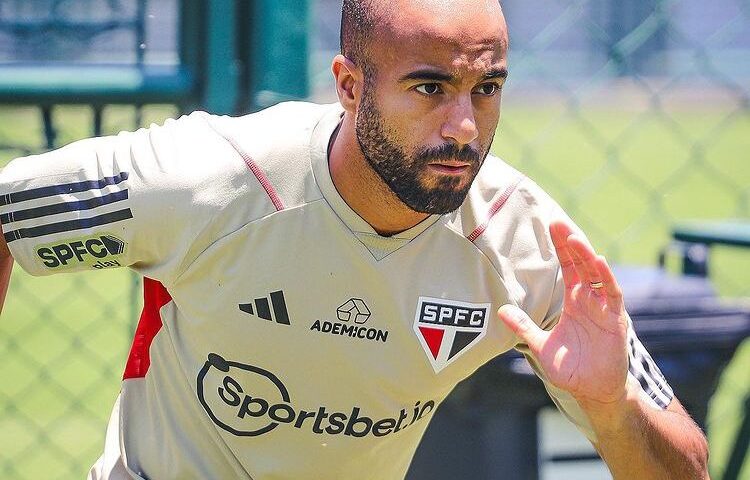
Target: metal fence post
(221, 74)
(191, 43)
(276, 35)
(208, 47)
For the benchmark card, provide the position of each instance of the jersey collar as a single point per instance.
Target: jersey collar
(319, 142)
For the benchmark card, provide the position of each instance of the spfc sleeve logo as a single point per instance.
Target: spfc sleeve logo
(447, 328)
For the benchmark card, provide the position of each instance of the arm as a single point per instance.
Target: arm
(6, 265)
(108, 202)
(638, 441)
(586, 354)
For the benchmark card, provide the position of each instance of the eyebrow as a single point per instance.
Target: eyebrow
(431, 75)
(501, 72)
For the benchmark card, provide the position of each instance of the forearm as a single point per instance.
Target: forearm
(6, 265)
(637, 441)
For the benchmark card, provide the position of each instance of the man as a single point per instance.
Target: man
(319, 278)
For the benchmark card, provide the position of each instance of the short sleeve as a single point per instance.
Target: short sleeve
(136, 199)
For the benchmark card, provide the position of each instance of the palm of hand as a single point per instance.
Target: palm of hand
(585, 353)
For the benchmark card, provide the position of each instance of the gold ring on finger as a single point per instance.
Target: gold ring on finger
(596, 285)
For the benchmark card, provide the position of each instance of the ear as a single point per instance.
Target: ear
(349, 80)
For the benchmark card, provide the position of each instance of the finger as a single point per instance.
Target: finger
(560, 231)
(588, 261)
(611, 286)
(523, 326)
(578, 263)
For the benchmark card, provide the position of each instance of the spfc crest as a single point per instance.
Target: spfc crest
(447, 328)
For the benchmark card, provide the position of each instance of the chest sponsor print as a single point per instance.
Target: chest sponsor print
(249, 401)
(448, 328)
(352, 317)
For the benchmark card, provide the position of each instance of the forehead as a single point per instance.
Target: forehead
(453, 34)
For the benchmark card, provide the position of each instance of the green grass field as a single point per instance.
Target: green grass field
(625, 179)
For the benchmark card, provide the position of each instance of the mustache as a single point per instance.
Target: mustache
(448, 152)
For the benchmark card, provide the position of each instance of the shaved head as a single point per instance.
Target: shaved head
(361, 18)
(357, 26)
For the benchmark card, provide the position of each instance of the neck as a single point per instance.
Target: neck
(361, 187)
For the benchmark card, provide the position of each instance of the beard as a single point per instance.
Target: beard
(407, 175)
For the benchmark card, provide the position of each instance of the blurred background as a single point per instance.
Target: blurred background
(634, 115)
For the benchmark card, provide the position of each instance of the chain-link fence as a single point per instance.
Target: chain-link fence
(634, 115)
(63, 340)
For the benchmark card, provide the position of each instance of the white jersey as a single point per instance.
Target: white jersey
(282, 337)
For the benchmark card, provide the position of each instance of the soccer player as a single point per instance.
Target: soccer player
(319, 278)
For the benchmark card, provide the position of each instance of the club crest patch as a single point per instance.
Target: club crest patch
(448, 328)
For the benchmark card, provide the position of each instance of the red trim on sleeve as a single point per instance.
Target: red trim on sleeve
(264, 181)
(155, 296)
(496, 206)
(259, 174)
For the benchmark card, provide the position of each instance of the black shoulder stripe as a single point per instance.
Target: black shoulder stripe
(64, 207)
(52, 190)
(58, 227)
(642, 380)
(652, 381)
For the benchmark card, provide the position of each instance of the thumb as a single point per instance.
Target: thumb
(523, 326)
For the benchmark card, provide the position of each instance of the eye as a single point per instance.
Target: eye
(429, 89)
(487, 89)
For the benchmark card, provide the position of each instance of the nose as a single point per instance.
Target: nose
(460, 124)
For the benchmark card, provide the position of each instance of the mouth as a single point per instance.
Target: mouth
(450, 168)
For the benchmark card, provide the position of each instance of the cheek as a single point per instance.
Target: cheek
(400, 119)
(406, 112)
(410, 131)
(487, 121)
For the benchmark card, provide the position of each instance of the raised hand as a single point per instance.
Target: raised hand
(585, 353)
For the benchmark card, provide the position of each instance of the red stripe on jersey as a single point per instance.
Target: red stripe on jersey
(494, 209)
(264, 181)
(259, 174)
(155, 296)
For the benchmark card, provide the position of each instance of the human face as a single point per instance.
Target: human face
(429, 110)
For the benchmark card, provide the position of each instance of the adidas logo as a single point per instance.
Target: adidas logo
(264, 310)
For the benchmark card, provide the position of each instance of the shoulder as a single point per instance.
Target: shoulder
(217, 157)
(203, 136)
(161, 157)
(275, 145)
(251, 161)
(503, 203)
(284, 125)
(507, 216)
